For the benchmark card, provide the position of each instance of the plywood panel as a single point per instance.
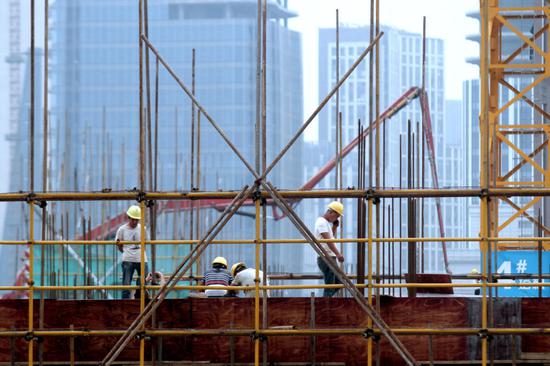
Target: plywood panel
(441, 312)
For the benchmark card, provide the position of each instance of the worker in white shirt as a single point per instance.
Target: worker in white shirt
(243, 276)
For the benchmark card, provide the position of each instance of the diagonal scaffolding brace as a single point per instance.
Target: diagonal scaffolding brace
(179, 272)
(354, 292)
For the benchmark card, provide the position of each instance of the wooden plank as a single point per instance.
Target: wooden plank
(534, 313)
(447, 312)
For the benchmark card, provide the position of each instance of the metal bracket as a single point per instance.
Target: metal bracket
(369, 333)
(256, 336)
(150, 203)
(140, 196)
(484, 334)
(257, 195)
(142, 335)
(41, 204)
(484, 193)
(29, 337)
(30, 197)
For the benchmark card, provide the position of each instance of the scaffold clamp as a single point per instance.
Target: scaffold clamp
(142, 335)
(140, 196)
(258, 336)
(257, 195)
(369, 333)
(484, 334)
(30, 197)
(29, 337)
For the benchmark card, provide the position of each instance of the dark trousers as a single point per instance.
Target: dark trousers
(128, 269)
(330, 277)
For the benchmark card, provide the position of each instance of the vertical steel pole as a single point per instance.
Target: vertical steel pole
(337, 96)
(484, 179)
(143, 235)
(31, 188)
(141, 179)
(369, 278)
(192, 160)
(257, 285)
(141, 134)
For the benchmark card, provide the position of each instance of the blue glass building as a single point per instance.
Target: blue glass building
(94, 76)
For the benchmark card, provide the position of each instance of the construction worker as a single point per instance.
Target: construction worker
(475, 273)
(243, 276)
(131, 253)
(153, 279)
(218, 275)
(325, 228)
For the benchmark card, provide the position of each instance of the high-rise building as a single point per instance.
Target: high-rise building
(15, 225)
(400, 69)
(94, 74)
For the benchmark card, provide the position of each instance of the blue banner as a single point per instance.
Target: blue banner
(522, 262)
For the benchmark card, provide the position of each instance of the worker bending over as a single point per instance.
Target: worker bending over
(218, 275)
(243, 276)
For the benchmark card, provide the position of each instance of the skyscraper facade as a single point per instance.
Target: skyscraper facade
(94, 84)
(400, 69)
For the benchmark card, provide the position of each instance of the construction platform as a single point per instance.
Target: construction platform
(436, 330)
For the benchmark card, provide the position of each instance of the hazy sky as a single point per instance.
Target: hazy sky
(445, 19)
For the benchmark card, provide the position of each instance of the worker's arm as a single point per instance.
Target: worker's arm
(333, 247)
(119, 246)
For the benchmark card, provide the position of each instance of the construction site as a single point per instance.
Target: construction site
(398, 301)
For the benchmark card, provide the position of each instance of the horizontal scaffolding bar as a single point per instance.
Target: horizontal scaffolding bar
(347, 193)
(273, 241)
(276, 287)
(277, 332)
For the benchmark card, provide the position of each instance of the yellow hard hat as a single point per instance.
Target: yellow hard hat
(220, 260)
(235, 266)
(134, 212)
(337, 207)
(474, 271)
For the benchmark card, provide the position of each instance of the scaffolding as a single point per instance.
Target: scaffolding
(493, 188)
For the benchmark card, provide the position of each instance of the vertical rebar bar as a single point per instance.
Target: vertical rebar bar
(264, 167)
(423, 86)
(192, 159)
(371, 91)
(258, 85)
(141, 122)
(148, 82)
(337, 105)
(44, 177)
(400, 212)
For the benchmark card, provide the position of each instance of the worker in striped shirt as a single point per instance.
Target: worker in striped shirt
(218, 275)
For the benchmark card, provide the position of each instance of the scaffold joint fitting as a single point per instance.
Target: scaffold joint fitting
(150, 203)
(30, 197)
(257, 336)
(142, 335)
(140, 196)
(484, 334)
(257, 195)
(484, 193)
(29, 337)
(369, 333)
(369, 194)
(41, 204)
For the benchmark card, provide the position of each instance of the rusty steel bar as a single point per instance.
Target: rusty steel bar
(378, 321)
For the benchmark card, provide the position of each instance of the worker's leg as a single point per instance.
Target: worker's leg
(138, 282)
(327, 274)
(127, 273)
(332, 279)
